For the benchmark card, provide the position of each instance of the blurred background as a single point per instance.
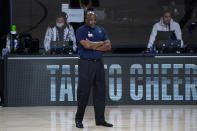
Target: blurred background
(128, 22)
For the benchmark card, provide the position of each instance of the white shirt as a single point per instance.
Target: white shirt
(160, 26)
(51, 35)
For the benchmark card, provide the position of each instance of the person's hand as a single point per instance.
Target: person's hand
(147, 50)
(102, 43)
(107, 44)
(8, 51)
(74, 49)
(48, 52)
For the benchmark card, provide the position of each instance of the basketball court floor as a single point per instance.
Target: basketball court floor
(124, 118)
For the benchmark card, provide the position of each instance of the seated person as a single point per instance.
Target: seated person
(166, 24)
(61, 32)
(9, 41)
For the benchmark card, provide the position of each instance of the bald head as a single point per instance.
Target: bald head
(91, 19)
(90, 14)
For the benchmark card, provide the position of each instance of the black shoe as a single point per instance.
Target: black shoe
(79, 124)
(104, 124)
(2, 105)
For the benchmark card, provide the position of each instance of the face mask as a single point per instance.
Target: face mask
(60, 25)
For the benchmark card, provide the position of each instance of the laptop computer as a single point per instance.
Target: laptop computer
(61, 47)
(166, 42)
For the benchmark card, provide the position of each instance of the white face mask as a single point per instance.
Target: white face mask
(60, 25)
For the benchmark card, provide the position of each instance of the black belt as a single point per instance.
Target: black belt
(94, 60)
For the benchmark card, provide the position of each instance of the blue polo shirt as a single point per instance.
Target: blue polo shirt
(93, 34)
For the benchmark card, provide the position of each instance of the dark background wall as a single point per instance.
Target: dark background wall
(4, 29)
(129, 80)
(128, 22)
(5, 21)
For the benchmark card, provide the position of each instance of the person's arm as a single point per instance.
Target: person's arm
(178, 34)
(72, 37)
(82, 40)
(107, 43)
(91, 45)
(47, 40)
(8, 42)
(86, 7)
(105, 47)
(152, 36)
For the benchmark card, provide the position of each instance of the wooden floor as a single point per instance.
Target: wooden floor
(124, 118)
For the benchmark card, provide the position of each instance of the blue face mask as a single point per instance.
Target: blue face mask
(59, 25)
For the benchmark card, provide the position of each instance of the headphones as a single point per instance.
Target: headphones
(63, 15)
(66, 16)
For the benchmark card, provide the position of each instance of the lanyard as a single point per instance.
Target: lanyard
(65, 35)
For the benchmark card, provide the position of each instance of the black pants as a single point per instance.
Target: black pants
(91, 74)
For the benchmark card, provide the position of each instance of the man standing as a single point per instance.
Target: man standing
(63, 31)
(93, 41)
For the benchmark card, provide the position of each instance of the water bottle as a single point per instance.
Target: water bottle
(15, 44)
(4, 52)
(8, 42)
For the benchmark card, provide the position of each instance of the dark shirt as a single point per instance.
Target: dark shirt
(190, 3)
(74, 4)
(60, 36)
(93, 34)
